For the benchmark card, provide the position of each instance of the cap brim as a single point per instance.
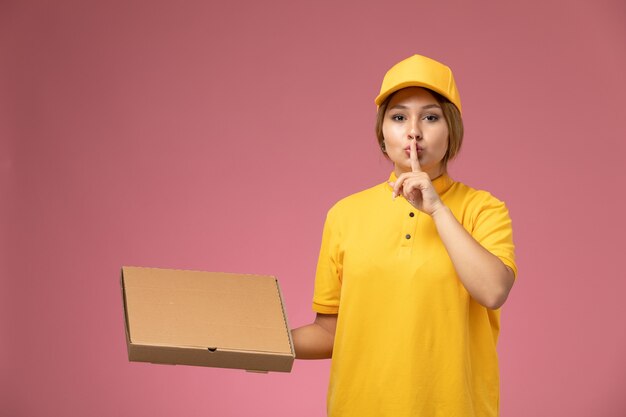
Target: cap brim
(383, 96)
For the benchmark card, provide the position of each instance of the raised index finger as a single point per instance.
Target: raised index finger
(415, 163)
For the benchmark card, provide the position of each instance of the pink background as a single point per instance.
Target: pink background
(215, 135)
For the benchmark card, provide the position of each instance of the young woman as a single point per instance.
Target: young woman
(412, 272)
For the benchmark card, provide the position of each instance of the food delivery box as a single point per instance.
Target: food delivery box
(213, 319)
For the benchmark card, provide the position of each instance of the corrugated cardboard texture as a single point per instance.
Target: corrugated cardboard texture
(223, 316)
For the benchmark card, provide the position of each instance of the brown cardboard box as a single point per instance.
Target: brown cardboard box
(206, 319)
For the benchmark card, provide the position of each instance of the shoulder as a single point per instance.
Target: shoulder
(360, 202)
(476, 208)
(473, 198)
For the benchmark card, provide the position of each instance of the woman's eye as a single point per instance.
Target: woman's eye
(431, 118)
(398, 117)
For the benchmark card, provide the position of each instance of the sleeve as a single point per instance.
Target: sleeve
(492, 228)
(329, 269)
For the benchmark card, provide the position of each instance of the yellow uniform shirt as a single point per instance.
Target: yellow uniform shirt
(410, 341)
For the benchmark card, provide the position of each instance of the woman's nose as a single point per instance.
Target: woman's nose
(414, 131)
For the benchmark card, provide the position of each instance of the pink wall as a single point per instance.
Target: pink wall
(215, 135)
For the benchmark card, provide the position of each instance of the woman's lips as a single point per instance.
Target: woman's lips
(408, 151)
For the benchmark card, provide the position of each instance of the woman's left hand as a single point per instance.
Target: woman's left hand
(416, 187)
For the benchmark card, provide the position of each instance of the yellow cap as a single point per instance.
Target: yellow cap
(420, 71)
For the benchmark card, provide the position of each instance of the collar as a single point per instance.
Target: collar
(442, 183)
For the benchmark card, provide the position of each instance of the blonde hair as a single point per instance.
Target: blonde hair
(451, 114)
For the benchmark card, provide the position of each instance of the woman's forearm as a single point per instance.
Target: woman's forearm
(487, 279)
(315, 340)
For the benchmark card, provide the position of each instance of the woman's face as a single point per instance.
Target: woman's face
(414, 114)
